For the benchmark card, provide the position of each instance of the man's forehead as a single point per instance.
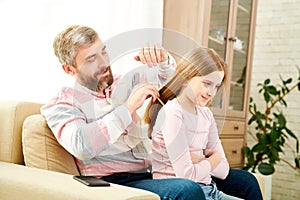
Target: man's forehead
(102, 47)
(94, 48)
(88, 51)
(98, 47)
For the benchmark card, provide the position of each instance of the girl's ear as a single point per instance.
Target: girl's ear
(69, 69)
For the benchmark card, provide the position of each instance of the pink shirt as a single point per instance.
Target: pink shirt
(98, 130)
(176, 134)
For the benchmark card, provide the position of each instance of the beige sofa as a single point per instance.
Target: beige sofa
(34, 166)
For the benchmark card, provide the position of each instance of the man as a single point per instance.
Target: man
(100, 132)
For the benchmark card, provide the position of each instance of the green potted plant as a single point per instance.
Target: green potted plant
(271, 131)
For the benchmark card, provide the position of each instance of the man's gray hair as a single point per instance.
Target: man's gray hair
(69, 40)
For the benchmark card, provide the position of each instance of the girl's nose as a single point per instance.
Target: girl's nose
(212, 92)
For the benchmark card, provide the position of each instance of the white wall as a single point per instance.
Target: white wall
(277, 51)
(29, 68)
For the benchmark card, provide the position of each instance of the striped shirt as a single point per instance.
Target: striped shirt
(177, 133)
(98, 130)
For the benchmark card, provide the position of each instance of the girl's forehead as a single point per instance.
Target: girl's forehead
(216, 76)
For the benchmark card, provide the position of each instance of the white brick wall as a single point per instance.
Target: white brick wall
(277, 50)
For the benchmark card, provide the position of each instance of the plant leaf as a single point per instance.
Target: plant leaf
(267, 97)
(274, 135)
(297, 161)
(272, 90)
(281, 120)
(252, 119)
(288, 81)
(274, 155)
(246, 150)
(264, 139)
(258, 147)
(267, 81)
(290, 133)
(283, 102)
(293, 136)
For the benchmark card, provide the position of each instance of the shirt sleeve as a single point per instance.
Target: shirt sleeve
(165, 70)
(81, 138)
(214, 144)
(177, 147)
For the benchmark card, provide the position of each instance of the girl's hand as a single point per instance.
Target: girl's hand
(195, 158)
(214, 159)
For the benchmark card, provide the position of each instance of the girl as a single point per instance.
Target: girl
(185, 140)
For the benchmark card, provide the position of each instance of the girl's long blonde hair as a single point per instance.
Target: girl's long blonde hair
(198, 62)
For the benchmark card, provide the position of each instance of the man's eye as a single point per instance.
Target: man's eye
(104, 52)
(92, 59)
(207, 83)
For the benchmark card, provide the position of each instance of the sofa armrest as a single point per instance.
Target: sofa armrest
(21, 182)
(12, 115)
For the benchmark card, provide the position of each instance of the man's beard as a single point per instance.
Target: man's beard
(105, 81)
(93, 83)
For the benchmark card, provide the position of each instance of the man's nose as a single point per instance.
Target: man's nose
(103, 60)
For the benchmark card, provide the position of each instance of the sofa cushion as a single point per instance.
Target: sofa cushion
(41, 149)
(12, 115)
(26, 183)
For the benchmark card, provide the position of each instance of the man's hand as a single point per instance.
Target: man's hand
(139, 94)
(152, 55)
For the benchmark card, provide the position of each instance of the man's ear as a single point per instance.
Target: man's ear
(69, 69)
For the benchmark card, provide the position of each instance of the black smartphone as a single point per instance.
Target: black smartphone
(91, 181)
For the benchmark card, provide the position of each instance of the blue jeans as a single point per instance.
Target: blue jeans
(212, 193)
(167, 189)
(240, 183)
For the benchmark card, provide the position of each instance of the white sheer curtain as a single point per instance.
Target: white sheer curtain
(29, 69)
